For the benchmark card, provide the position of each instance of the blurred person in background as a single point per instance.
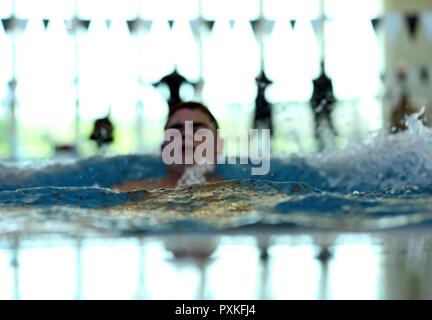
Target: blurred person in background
(404, 106)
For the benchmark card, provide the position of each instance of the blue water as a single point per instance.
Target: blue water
(383, 182)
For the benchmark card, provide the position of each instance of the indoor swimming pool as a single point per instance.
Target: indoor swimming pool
(351, 223)
(280, 265)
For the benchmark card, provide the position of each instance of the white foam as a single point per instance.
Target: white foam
(195, 175)
(382, 160)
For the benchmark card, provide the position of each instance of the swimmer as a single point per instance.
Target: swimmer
(178, 115)
(404, 106)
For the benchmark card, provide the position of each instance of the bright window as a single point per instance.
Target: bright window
(109, 62)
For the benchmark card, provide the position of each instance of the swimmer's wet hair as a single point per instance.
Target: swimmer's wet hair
(191, 106)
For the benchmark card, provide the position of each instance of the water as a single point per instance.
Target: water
(382, 183)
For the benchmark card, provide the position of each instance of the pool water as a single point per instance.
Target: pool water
(351, 223)
(385, 182)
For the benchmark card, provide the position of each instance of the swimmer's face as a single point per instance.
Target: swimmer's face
(200, 120)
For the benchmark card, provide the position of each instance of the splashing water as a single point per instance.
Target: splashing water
(383, 182)
(382, 161)
(195, 174)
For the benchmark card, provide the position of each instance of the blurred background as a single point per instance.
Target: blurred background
(66, 63)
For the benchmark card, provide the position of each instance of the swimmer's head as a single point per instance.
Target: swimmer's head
(402, 71)
(194, 107)
(198, 138)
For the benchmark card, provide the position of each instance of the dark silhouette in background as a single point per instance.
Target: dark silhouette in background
(263, 112)
(103, 132)
(174, 81)
(322, 103)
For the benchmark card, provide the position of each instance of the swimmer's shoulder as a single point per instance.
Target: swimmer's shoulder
(150, 184)
(155, 183)
(135, 185)
(214, 178)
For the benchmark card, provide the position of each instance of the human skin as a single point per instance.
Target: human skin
(175, 171)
